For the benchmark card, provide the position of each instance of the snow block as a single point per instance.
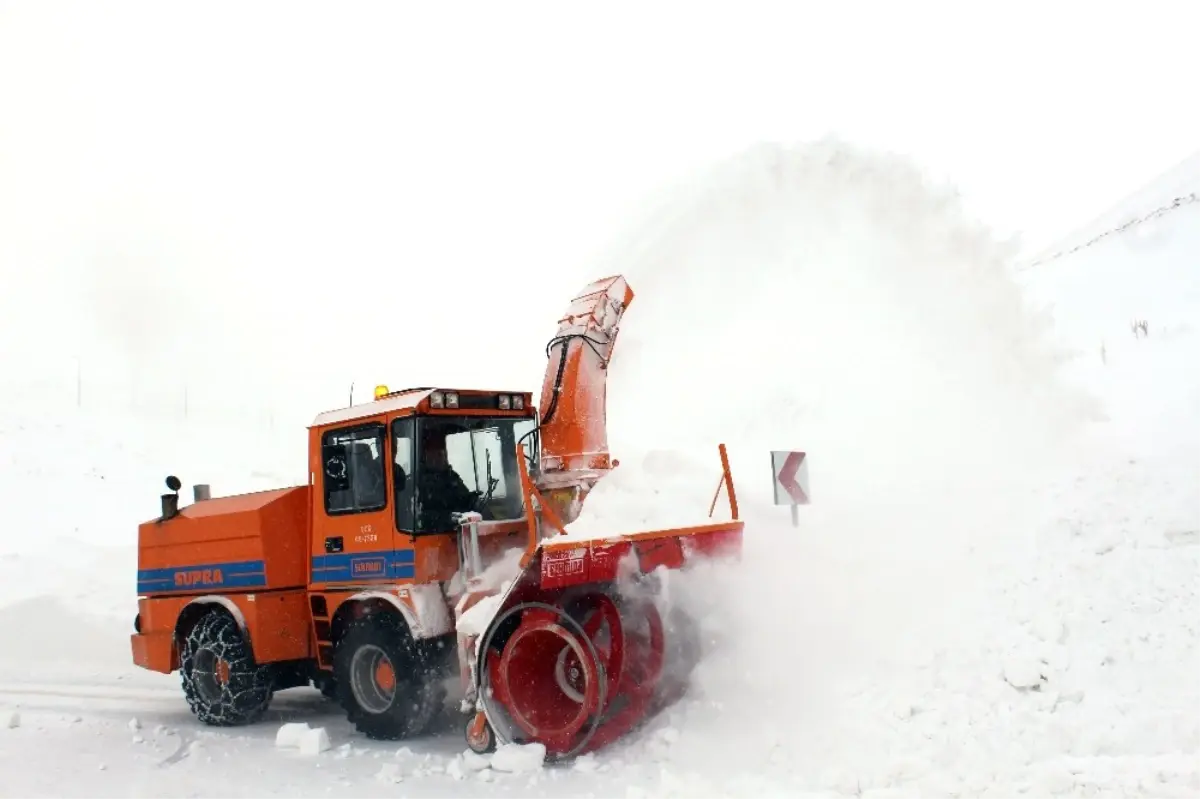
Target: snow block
(474, 761)
(519, 758)
(314, 742)
(290, 735)
(310, 741)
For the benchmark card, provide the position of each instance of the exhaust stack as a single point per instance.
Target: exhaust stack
(170, 502)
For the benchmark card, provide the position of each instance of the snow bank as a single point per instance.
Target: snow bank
(654, 490)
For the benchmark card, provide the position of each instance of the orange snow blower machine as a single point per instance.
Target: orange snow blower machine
(432, 538)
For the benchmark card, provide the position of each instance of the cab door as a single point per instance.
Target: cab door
(352, 513)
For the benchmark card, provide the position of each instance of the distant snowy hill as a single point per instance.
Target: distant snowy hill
(1175, 187)
(1139, 262)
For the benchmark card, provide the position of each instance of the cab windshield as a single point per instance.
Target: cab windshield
(463, 464)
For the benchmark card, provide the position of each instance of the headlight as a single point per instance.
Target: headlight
(504, 402)
(518, 402)
(437, 400)
(451, 399)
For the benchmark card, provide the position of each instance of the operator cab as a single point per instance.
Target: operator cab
(412, 459)
(463, 463)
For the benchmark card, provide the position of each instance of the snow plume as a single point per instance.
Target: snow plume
(828, 299)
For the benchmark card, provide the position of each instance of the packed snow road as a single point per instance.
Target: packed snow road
(1076, 678)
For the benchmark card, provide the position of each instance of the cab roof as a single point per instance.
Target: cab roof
(409, 399)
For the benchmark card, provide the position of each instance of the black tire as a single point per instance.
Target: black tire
(486, 745)
(379, 711)
(240, 698)
(328, 688)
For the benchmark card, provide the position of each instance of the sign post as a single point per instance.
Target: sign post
(789, 477)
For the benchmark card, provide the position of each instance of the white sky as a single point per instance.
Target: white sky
(284, 186)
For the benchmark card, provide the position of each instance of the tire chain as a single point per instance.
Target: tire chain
(246, 694)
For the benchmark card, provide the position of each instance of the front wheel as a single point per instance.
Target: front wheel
(481, 739)
(327, 687)
(223, 684)
(382, 681)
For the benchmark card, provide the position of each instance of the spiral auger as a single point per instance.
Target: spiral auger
(574, 674)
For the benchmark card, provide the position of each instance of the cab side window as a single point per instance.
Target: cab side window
(403, 483)
(352, 463)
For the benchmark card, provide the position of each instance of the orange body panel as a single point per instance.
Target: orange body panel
(155, 651)
(251, 542)
(574, 437)
(497, 537)
(562, 544)
(276, 623)
(436, 558)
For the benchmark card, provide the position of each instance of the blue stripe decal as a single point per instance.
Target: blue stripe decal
(235, 574)
(347, 567)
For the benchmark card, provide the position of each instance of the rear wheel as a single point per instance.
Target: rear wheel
(223, 684)
(383, 682)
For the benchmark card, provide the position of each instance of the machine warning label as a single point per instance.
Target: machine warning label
(368, 567)
(564, 564)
